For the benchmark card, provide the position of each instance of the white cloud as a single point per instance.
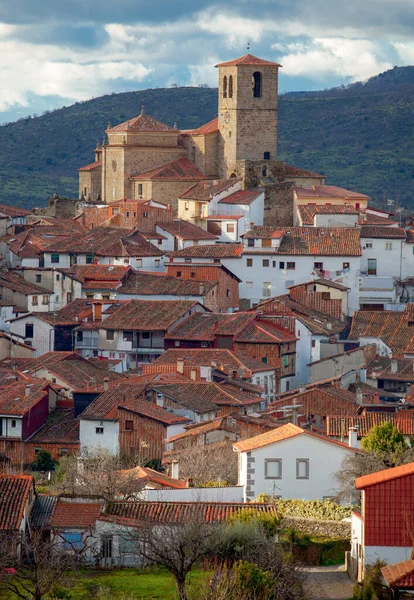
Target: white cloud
(405, 52)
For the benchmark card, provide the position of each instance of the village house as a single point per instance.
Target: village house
(24, 296)
(394, 375)
(398, 415)
(286, 463)
(17, 493)
(386, 493)
(351, 360)
(319, 195)
(59, 436)
(12, 219)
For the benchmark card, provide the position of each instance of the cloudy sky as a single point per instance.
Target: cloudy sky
(56, 53)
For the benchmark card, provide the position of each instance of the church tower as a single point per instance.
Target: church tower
(247, 118)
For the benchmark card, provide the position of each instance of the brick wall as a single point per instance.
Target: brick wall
(144, 220)
(315, 300)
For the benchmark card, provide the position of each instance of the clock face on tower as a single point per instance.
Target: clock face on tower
(227, 117)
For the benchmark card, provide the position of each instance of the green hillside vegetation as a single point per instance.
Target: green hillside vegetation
(359, 136)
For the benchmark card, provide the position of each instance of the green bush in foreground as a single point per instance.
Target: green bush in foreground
(310, 509)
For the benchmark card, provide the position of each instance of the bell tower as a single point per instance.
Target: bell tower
(247, 118)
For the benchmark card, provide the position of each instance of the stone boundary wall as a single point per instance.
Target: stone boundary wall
(333, 529)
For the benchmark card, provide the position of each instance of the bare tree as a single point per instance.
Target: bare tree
(207, 463)
(30, 568)
(100, 474)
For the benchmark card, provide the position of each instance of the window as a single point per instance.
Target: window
(302, 468)
(225, 86)
(369, 245)
(139, 263)
(290, 266)
(112, 355)
(63, 451)
(230, 228)
(145, 335)
(281, 265)
(178, 274)
(193, 274)
(231, 86)
(249, 262)
(187, 260)
(129, 425)
(177, 343)
(157, 263)
(267, 243)
(257, 84)
(127, 544)
(127, 213)
(34, 300)
(250, 242)
(273, 468)
(29, 330)
(266, 156)
(145, 214)
(228, 293)
(204, 344)
(285, 361)
(79, 336)
(313, 344)
(99, 430)
(115, 211)
(267, 288)
(264, 360)
(372, 266)
(186, 205)
(105, 296)
(55, 258)
(249, 284)
(266, 262)
(140, 190)
(37, 449)
(318, 266)
(69, 297)
(13, 423)
(357, 205)
(106, 546)
(264, 171)
(57, 298)
(326, 295)
(388, 245)
(345, 266)
(90, 296)
(110, 335)
(45, 300)
(38, 278)
(159, 242)
(273, 263)
(89, 259)
(128, 335)
(58, 277)
(72, 540)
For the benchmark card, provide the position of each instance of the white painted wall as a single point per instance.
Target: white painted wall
(322, 470)
(90, 440)
(8, 430)
(43, 333)
(213, 494)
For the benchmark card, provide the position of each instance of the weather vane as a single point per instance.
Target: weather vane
(248, 46)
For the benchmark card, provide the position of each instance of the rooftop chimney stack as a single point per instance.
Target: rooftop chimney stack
(353, 437)
(359, 397)
(106, 384)
(180, 365)
(394, 366)
(28, 390)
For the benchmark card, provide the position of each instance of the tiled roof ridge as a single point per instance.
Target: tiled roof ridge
(384, 475)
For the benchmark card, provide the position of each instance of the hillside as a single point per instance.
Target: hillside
(360, 136)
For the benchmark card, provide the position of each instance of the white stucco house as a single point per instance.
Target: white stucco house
(290, 462)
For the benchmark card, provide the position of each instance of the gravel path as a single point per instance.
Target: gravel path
(328, 583)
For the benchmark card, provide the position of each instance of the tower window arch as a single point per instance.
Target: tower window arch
(266, 156)
(231, 86)
(257, 84)
(225, 86)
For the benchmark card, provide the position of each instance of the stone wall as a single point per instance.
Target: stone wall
(278, 204)
(332, 529)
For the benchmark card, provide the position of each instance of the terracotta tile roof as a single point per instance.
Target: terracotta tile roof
(107, 241)
(210, 127)
(241, 197)
(337, 426)
(225, 360)
(373, 231)
(307, 212)
(59, 225)
(97, 273)
(179, 169)
(391, 327)
(14, 493)
(282, 433)
(382, 368)
(326, 282)
(320, 241)
(147, 283)
(284, 171)
(382, 476)
(211, 251)
(142, 123)
(264, 232)
(13, 281)
(185, 230)
(248, 59)
(61, 426)
(13, 211)
(71, 514)
(196, 429)
(205, 190)
(15, 401)
(399, 575)
(182, 512)
(154, 479)
(224, 217)
(95, 165)
(264, 332)
(205, 326)
(328, 191)
(148, 315)
(367, 218)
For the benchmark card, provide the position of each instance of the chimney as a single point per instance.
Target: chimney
(106, 384)
(193, 374)
(359, 397)
(180, 365)
(201, 289)
(352, 437)
(302, 388)
(28, 390)
(190, 483)
(394, 365)
(97, 312)
(294, 415)
(174, 470)
(329, 326)
(234, 374)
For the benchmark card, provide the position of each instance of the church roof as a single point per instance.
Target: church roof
(142, 123)
(210, 127)
(180, 168)
(248, 59)
(91, 166)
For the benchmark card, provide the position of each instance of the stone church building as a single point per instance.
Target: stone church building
(145, 159)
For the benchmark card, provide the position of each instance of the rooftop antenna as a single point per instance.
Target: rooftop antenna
(248, 46)
(142, 108)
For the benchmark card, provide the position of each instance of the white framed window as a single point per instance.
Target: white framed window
(177, 343)
(249, 284)
(267, 288)
(368, 245)
(388, 245)
(99, 430)
(204, 344)
(302, 468)
(273, 468)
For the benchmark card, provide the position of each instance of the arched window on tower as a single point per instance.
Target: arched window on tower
(257, 84)
(225, 87)
(266, 155)
(231, 86)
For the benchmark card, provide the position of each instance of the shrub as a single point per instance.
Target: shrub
(44, 462)
(311, 509)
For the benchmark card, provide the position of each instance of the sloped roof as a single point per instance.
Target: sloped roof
(98, 273)
(148, 315)
(146, 283)
(210, 127)
(248, 59)
(320, 241)
(13, 211)
(154, 478)
(211, 251)
(375, 231)
(385, 475)
(328, 191)
(68, 513)
(205, 190)
(392, 327)
(13, 281)
(91, 166)
(180, 169)
(61, 426)
(241, 197)
(14, 399)
(399, 575)
(307, 212)
(326, 282)
(142, 123)
(403, 420)
(205, 326)
(42, 510)
(14, 493)
(186, 230)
